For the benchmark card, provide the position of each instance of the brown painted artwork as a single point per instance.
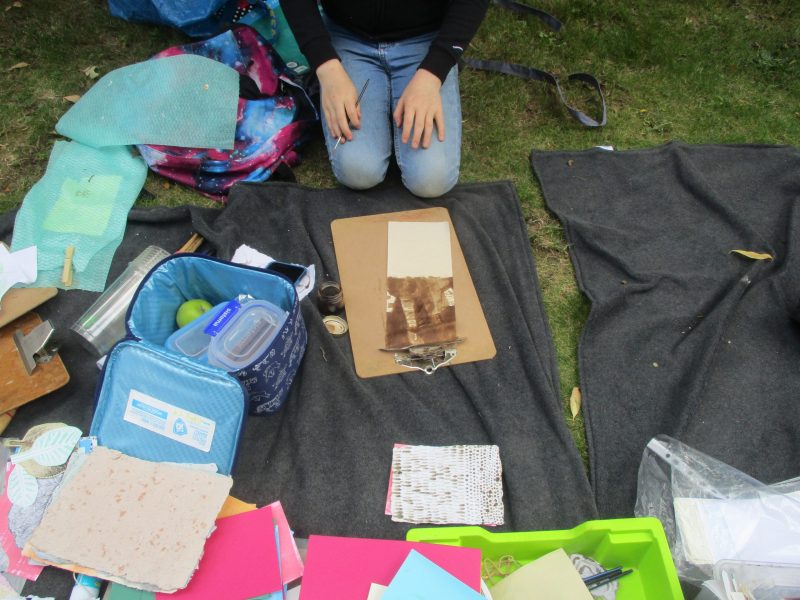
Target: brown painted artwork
(419, 310)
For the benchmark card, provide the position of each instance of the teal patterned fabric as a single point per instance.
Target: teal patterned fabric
(82, 201)
(187, 100)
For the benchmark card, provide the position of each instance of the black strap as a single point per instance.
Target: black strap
(546, 18)
(539, 75)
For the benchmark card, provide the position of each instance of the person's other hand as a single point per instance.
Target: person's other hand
(338, 99)
(420, 108)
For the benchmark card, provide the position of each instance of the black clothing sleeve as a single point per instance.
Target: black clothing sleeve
(389, 20)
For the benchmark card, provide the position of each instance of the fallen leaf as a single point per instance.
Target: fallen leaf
(575, 402)
(166, 185)
(73, 98)
(753, 255)
(91, 72)
(21, 65)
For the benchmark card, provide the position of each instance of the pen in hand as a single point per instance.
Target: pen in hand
(358, 100)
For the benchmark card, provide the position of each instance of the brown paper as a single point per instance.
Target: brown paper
(361, 245)
(133, 521)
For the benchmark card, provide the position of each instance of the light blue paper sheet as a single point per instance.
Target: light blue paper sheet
(82, 201)
(184, 100)
(422, 579)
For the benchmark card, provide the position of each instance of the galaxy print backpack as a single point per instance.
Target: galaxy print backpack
(275, 117)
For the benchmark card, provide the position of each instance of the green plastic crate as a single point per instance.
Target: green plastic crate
(638, 544)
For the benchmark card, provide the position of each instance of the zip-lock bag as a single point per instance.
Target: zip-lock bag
(162, 404)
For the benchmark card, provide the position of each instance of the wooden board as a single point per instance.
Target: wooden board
(16, 386)
(17, 301)
(361, 254)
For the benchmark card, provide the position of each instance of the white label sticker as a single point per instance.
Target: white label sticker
(170, 421)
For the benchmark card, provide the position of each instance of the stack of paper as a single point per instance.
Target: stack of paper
(136, 522)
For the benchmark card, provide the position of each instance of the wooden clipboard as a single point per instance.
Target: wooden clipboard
(361, 246)
(16, 386)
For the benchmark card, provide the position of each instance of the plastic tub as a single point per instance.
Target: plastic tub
(190, 339)
(638, 544)
(246, 336)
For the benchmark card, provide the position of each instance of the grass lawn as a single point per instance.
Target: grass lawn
(722, 71)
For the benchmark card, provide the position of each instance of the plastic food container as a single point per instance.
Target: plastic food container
(639, 544)
(246, 336)
(191, 340)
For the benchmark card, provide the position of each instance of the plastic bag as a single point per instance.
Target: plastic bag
(713, 512)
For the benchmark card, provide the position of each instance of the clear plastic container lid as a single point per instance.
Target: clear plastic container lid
(190, 339)
(248, 334)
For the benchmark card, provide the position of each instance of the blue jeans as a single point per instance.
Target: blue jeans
(362, 162)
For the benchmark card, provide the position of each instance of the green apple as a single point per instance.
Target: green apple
(190, 310)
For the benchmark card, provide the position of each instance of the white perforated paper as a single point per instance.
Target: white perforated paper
(447, 485)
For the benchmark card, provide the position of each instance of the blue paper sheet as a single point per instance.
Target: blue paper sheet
(422, 579)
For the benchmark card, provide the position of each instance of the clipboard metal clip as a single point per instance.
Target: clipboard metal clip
(35, 347)
(427, 357)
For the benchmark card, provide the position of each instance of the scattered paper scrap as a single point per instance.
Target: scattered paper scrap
(22, 487)
(447, 485)
(345, 568)
(575, 402)
(19, 65)
(376, 591)
(149, 521)
(91, 72)
(16, 267)
(753, 255)
(246, 255)
(553, 576)
(422, 579)
(17, 564)
(52, 448)
(240, 560)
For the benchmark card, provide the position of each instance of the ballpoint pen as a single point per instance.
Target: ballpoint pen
(358, 101)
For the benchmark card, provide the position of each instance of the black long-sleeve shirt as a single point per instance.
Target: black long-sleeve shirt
(386, 21)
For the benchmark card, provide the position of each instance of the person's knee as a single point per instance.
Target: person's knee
(359, 171)
(431, 177)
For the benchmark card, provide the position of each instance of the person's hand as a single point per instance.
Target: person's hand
(338, 99)
(420, 108)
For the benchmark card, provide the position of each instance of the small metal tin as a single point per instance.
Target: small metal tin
(335, 325)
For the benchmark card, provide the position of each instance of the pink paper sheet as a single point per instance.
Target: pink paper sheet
(344, 568)
(17, 564)
(240, 561)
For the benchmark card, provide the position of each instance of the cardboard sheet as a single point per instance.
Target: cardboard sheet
(147, 522)
(361, 245)
(345, 568)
